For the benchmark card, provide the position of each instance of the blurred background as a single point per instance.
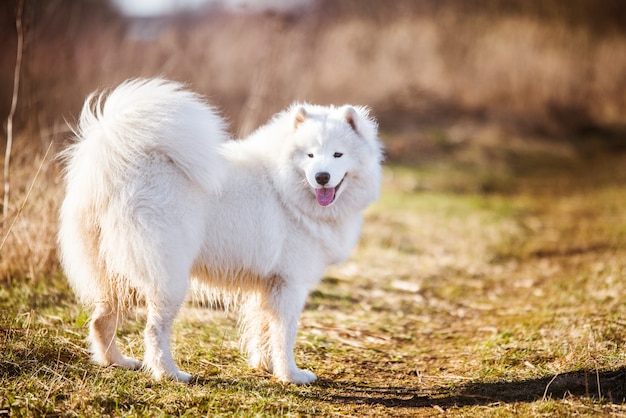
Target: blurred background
(472, 95)
(441, 76)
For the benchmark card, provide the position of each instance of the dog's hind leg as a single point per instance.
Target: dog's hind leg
(255, 337)
(158, 358)
(102, 329)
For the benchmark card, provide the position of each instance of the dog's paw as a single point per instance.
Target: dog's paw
(299, 377)
(177, 375)
(128, 363)
(116, 361)
(182, 377)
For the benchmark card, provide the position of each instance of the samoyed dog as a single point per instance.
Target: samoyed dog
(159, 199)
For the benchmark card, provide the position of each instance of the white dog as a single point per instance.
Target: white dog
(157, 194)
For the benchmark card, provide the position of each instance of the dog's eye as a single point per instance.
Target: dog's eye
(310, 155)
(338, 154)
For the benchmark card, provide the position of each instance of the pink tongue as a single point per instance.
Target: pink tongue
(325, 196)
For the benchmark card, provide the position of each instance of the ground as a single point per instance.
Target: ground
(492, 290)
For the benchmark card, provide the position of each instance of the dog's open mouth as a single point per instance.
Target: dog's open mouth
(326, 195)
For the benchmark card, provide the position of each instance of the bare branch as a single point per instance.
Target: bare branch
(16, 85)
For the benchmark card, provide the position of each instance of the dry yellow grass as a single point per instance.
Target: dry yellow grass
(28, 233)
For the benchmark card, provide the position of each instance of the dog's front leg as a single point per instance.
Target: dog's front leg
(285, 306)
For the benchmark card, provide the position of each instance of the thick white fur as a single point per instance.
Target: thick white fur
(157, 194)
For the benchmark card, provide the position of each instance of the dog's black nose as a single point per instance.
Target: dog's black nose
(322, 178)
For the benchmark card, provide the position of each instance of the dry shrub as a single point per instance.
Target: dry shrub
(28, 233)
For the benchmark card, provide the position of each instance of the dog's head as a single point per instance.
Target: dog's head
(339, 153)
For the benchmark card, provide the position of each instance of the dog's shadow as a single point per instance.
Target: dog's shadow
(609, 386)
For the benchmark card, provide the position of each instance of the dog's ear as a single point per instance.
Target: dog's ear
(300, 116)
(350, 116)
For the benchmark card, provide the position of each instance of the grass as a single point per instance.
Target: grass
(458, 301)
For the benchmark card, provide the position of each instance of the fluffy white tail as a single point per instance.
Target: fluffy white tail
(152, 115)
(116, 131)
